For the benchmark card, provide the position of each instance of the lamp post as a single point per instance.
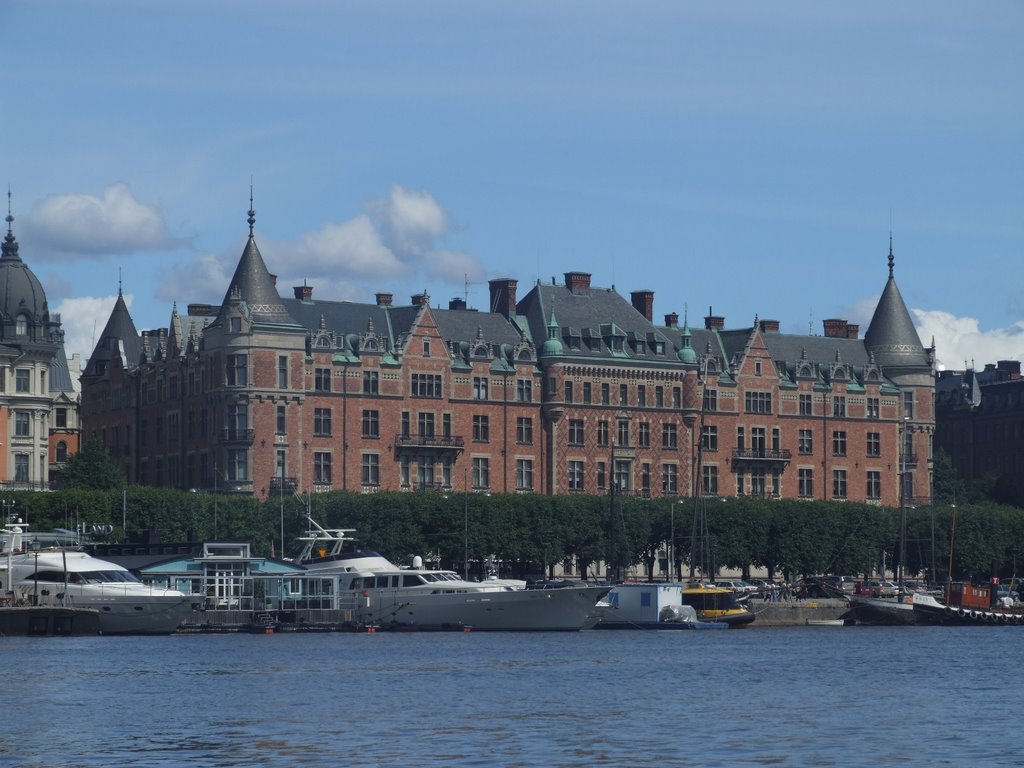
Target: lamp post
(672, 543)
(465, 528)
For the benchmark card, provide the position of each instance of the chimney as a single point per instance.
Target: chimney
(420, 299)
(196, 310)
(672, 319)
(303, 292)
(273, 279)
(503, 295)
(457, 303)
(577, 282)
(835, 328)
(852, 330)
(714, 322)
(384, 299)
(769, 326)
(643, 302)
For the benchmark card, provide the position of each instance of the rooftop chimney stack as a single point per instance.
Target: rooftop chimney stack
(577, 282)
(503, 296)
(643, 302)
(385, 299)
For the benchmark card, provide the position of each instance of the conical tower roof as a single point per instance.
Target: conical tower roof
(253, 285)
(119, 335)
(891, 337)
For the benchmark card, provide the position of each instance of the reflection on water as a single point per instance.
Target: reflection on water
(794, 697)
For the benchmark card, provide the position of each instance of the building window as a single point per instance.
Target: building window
(623, 477)
(61, 453)
(371, 423)
(645, 478)
(426, 385)
(874, 488)
(322, 422)
(874, 409)
(282, 372)
(605, 395)
(659, 397)
(709, 438)
(481, 428)
(281, 425)
(371, 469)
(839, 483)
(603, 435)
(480, 388)
(61, 418)
(22, 422)
(21, 467)
(568, 392)
(643, 436)
(757, 482)
(524, 430)
(677, 401)
(623, 395)
(238, 464)
(21, 325)
(908, 405)
(446, 471)
(623, 432)
(586, 393)
(709, 480)
(669, 479)
(236, 325)
(481, 473)
(839, 443)
(602, 480)
(426, 473)
(405, 423)
(22, 380)
(839, 406)
(322, 379)
(574, 476)
(806, 489)
(403, 471)
(524, 390)
(805, 442)
(322, 468)
(371, 382)
(758, 402)
(426, 346)
(741, 483)
(641, 396)
(874, 444)
(806, 405)
(669, 436)
(524, 474)
(237, 370)
(710, 400)
(575, 431)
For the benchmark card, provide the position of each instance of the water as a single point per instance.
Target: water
(812, 696)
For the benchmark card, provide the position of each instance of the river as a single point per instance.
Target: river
(814, 696)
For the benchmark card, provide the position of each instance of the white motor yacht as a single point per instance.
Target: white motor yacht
(72, 578)
(390, 596)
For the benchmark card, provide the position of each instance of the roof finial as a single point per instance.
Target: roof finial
(118, 281)
(252, 213)
(10, 218)
(892, 259)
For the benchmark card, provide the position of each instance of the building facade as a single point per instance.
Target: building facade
(980, 424)
(572, 389)
(39, 404)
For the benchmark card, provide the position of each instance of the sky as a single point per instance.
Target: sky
(751, 158)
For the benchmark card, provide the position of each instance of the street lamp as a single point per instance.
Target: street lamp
(465, 529)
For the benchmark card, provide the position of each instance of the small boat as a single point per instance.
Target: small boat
(883, 611)
(48, 621)
(388, 596)
(968, 605)
(651, 606)
(716, 604)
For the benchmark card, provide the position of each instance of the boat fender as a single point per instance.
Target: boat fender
(949, 609)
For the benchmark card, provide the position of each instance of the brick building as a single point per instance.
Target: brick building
(980, 423)
(38, 401)
(570, 389)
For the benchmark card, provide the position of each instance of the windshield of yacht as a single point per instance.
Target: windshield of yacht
(84, 577)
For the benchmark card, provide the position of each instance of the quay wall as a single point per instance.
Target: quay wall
(795, 613)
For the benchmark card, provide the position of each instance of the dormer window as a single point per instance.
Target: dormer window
(236, 325)
(21, 325)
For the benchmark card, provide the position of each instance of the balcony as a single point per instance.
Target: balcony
(286, 484)
(783, 455)
(428, 442)
(233, 435)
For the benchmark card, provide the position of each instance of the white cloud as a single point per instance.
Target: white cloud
(351, 248)
(410, 222)
(86, 226)
(204, 279)
(83, 319)
(960, 340)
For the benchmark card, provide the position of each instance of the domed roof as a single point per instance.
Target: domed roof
(21, 293)
(552, 346)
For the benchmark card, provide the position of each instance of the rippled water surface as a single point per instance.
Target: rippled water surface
(811, 696)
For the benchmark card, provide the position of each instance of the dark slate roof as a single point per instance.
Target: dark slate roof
(342, 317)
(20, 289)
(117, 333)
(468, 325)
(891, 336)
(253, 284)
(598, 314)
(60, 374)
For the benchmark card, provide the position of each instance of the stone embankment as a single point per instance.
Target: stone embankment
(793, 613)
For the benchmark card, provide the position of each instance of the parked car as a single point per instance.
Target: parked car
(880, 587)
(736, 585)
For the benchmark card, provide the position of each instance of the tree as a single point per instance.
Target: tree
(91, 469)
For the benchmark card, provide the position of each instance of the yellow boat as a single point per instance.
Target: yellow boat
(716, 604)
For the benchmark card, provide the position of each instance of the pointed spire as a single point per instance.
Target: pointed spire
(252, 213)
(892, 259)
(9, 249)
(891, 335)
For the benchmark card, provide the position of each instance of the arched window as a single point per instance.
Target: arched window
(62, 451)
(21, 326)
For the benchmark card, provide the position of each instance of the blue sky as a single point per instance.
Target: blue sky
(749, 156)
